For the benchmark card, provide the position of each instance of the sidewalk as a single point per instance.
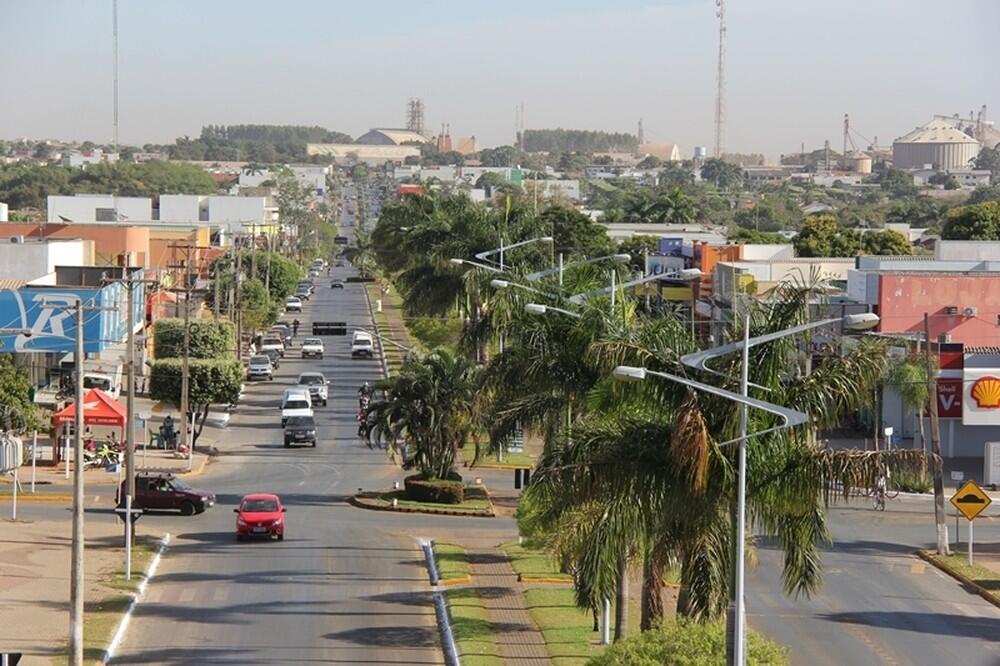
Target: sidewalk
(519, 640)
(34, 587)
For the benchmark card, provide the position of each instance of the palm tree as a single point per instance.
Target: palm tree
(647, 455)
(909, 378)
(429, 405)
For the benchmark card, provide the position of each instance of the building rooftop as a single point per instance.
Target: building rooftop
(936, 131)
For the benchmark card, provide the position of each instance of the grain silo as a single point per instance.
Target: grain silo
(938, 144)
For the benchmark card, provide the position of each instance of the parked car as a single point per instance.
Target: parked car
(361, 345)
(317, 385)
(260, 514)
(283, 332)
(272, 342)
(312, 348)
(306, 284)
(260, 367)
(303, 293)
(300, 430)
(293, 304)
(295, 403)
(164, 492)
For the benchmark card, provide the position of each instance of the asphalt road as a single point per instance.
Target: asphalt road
(343, 587)
(880, 604)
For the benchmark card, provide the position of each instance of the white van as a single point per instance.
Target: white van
(361, 345)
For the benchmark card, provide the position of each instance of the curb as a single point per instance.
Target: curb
(930, 558)
(28, 497)
(502, 466)
(457, 580)
(549, 580)
(116, 640)
(448, 646)
(358, 502)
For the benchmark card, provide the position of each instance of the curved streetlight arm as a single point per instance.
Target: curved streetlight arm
(790, 417)
(539, 309)
(617, 258)
(697, 360)
(475, 264)
(686, 274)
(504, 248)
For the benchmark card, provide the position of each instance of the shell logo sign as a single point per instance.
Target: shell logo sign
(981, 391)
(986, 392)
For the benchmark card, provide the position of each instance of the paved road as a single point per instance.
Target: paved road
(344, 586)
(880, 604)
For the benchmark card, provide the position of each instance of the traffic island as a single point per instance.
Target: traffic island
(979, 579)
(476, 503)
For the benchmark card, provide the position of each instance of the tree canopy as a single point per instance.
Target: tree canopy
(821, 236)
(579, 141)
(976, 222)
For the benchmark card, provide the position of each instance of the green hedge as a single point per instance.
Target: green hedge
(436, 491)
(681, 642)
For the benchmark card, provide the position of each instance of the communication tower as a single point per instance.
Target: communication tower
(720, 80)
(415, 115)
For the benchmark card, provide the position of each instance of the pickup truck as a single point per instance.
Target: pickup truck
(272, 342)
(295, 403)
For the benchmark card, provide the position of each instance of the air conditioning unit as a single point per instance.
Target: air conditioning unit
(951, 310)
(17, 240)
(944, 338)
(970, 312)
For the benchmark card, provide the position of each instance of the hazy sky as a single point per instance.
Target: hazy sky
(794, 66)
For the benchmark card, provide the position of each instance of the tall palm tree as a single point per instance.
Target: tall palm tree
(648, 455)
(429, 405)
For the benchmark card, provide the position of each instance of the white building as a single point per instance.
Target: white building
(312, 178)
(223, 211)
(98, 208)
(554, 189)
(28, 259)
(80, 158)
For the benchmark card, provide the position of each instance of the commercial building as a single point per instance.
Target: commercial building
(23, 258)
(390, 137)
(222, 212)
(81, 158)
(98, 208)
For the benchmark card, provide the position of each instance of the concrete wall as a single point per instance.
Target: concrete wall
(180, 207)
(231, 211)
(967, 250)
(33, 259)
(903, 300)
(765, 252)
(83, 207)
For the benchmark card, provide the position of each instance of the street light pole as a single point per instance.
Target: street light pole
(736, 622)
(76, 580)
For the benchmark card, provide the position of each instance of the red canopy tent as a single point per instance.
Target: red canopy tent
(99, 408)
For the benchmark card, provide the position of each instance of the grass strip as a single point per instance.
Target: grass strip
(528, 562)
(567, 630)
(490, 457)
(452, 561)
(982, 576)
(474, 637)
(101, 617)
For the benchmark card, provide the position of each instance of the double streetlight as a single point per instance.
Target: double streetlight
(790, 418)
(482, 256)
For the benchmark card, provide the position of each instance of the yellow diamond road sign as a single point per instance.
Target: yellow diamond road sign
(970, 500)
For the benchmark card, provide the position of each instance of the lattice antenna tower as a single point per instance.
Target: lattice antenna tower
(415, 115)
(641, 136)
(720, 80)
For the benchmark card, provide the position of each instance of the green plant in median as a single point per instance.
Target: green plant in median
(429, 406)
(685, 643)
(452, 561)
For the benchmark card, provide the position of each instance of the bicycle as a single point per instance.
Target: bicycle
(878, 493)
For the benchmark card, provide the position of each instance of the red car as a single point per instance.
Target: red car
(260, 514)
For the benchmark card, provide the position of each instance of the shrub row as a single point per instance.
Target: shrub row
(435, 491)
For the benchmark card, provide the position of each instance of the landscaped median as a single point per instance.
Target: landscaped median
(452, 564)
(982, 580)
(476, 502)
(489, 460)
(533, 565)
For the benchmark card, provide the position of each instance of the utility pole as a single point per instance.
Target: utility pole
(76, 580)
(937, 470)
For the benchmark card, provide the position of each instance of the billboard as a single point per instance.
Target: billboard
(53, 329)
(672, 246)
(949, 395)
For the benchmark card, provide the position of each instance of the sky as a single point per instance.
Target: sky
(794, 67)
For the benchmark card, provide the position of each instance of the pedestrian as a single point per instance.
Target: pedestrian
(295, 327)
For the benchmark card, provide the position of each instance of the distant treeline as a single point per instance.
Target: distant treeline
(577, 141)
(265, 144)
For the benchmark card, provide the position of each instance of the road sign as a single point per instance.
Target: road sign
(136, 513)
(970, 500)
